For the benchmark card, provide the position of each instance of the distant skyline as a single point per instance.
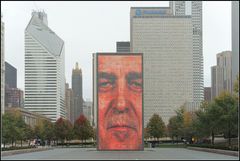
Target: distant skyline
(90, 27)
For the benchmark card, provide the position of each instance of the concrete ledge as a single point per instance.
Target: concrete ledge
(219, 151)
(13, 152)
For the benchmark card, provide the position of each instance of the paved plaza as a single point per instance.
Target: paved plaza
(92, 153)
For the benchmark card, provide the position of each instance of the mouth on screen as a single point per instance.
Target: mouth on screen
(121, 127)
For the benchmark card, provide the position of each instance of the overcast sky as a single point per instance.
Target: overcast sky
(89, 27)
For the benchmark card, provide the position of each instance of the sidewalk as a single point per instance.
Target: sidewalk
(21, 151)
(219, 151)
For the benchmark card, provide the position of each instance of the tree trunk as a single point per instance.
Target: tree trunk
(229, 135)
(21, 142)
(212, 137)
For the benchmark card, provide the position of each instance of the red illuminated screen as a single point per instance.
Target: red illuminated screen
(120, 88)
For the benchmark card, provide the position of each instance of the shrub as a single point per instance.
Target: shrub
(16, 148)
(222, 147)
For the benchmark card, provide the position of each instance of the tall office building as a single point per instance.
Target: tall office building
(2, 66)
(123, 47)
(222, 74)
(13, 95)
(207, 94)
(13, 98)
(68, 102)
(44, 69)
(87, 111)
(193, 9)
(213, 81)
(235, 40)
(166, 43)
(10, 76)
(77, 91)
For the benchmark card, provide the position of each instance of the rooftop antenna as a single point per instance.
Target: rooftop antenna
(35, 4)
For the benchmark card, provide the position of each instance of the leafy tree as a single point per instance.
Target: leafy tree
(21, 128)
(228, 107)
(39, 130)
(70, 132)
(180, 126)
(61, 129)
(13, 127)
(188, 130)
(200, 124)
(207, 120)
(174, 127)
(156, 127)
(47, 130)
(8, 129)
(29, 134)
(212, 116)
(82, 128)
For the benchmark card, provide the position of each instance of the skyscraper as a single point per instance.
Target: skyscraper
(235, 40)
(166, 43)
(68, 102)
(87, 111)
(207, 94)
(213, 81)
(44, 69)
(77, 91)
(13, 95)
(222, 74)
(13, 98)
(193, 9)
(10, 76)
(2, 67)
(123, 47)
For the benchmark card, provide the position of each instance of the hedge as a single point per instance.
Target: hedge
(17, 148)
(223, 147)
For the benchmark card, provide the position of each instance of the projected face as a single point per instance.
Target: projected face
(120, 88)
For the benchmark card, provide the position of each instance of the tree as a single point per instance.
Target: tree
(47, 130)
(174, 127)
(13, 127)
(21, 128)
(82, 128)
(180, 126)
(70, 133)
(228, 107)
(8, 129)
(39, 130)
(156, 127)
(212, 115)
(207, 120)
(29, 134)
(200, 124)
(61, 129)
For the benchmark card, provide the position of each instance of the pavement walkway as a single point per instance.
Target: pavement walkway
(147, 154)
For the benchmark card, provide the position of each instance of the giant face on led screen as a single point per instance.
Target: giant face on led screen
(120, 88)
